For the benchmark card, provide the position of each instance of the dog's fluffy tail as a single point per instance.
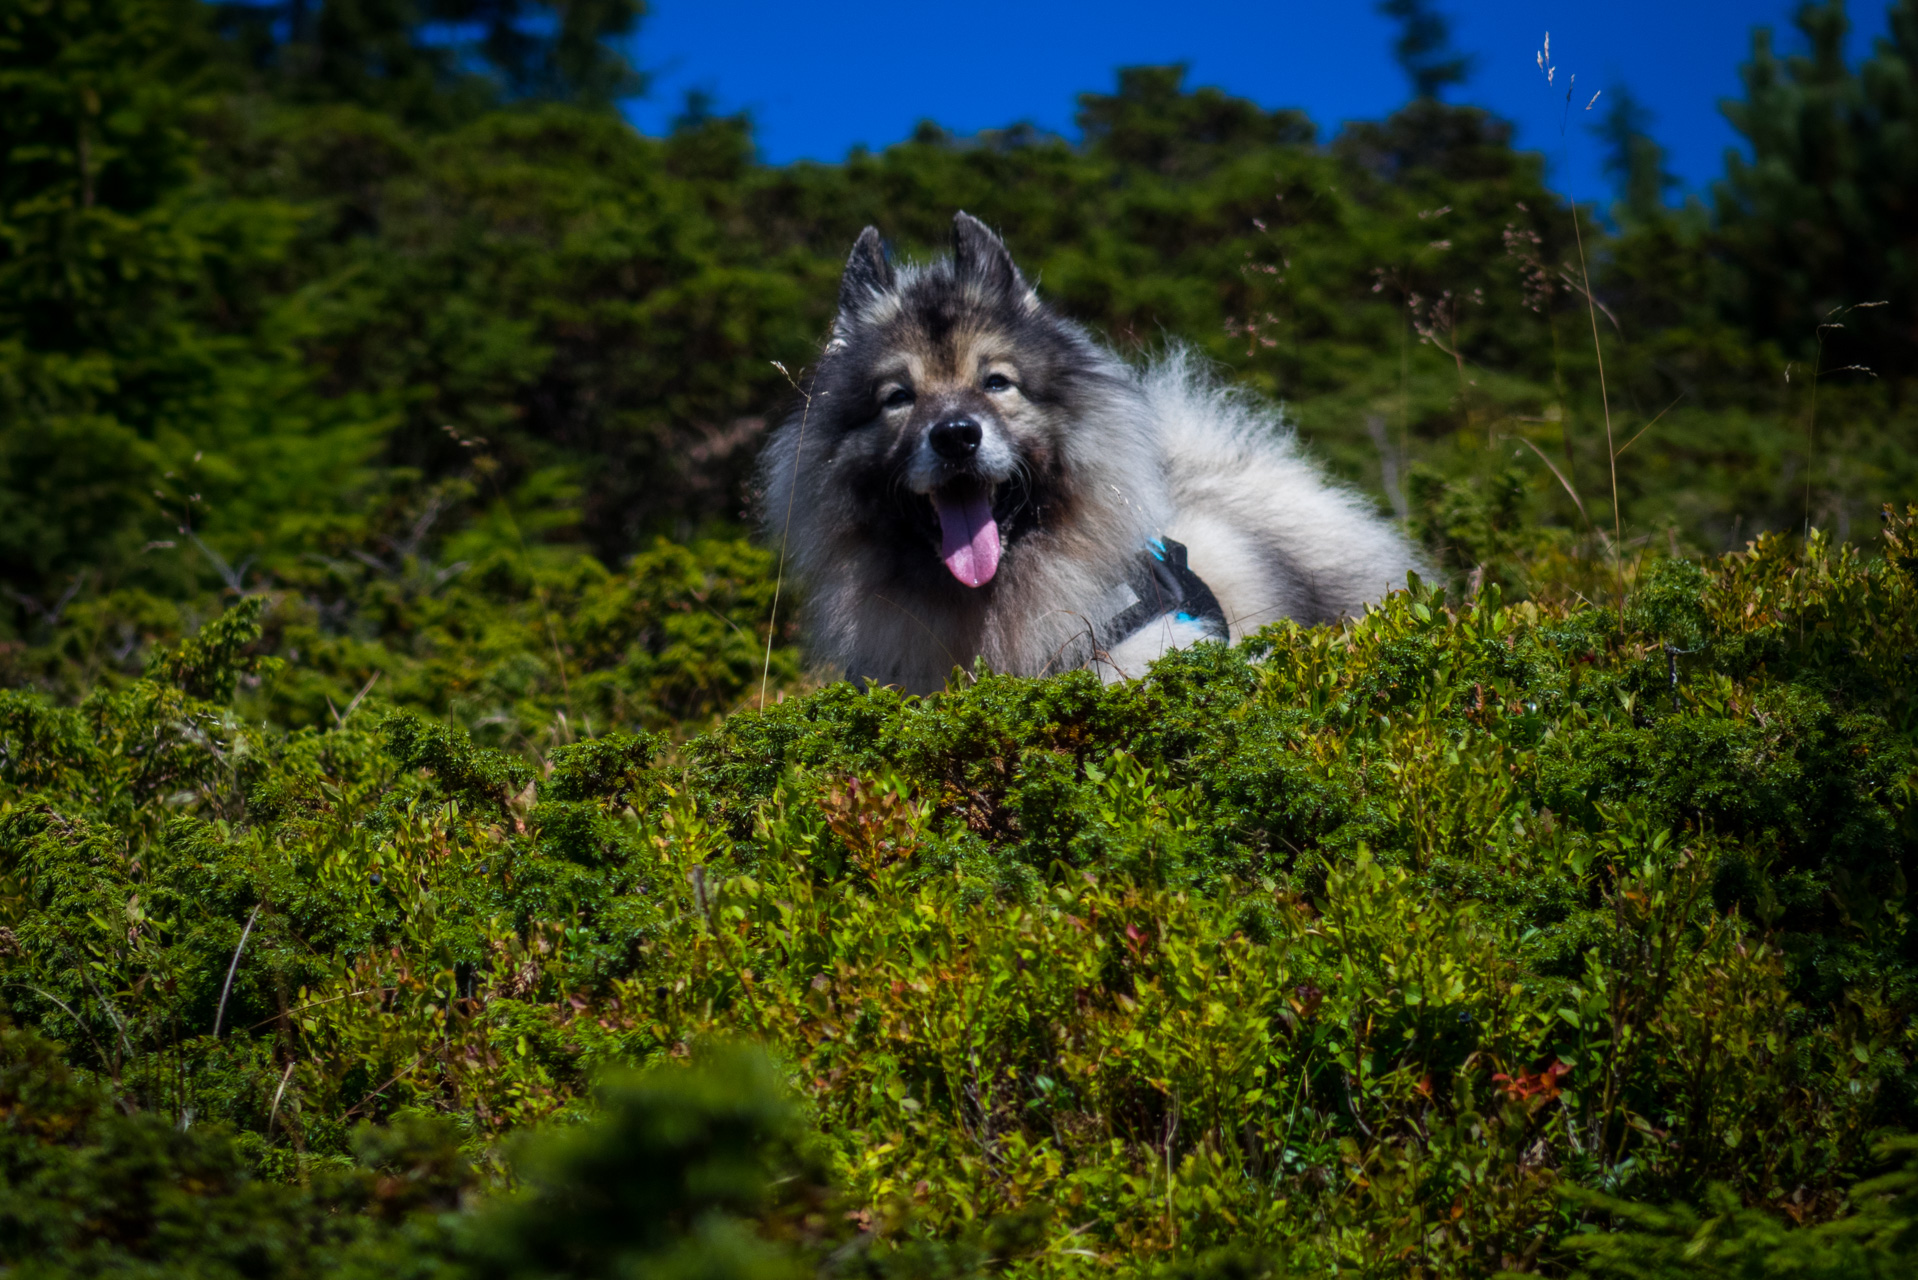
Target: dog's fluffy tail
(1265, 529)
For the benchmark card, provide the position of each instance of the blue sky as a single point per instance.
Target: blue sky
(819, 78)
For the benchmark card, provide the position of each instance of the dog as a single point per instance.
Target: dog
(969, 475)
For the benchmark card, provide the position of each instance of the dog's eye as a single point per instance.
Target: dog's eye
(998, 382)
(899, 396)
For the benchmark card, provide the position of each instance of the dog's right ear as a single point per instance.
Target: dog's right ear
(868, 274)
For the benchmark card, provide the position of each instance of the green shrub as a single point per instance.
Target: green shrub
(1344, 946)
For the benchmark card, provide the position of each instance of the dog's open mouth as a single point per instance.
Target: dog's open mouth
(968, 533)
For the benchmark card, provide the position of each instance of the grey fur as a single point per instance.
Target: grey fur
(1085, 456)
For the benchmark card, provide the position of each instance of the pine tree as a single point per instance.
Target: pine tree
(1634, 160)
(439, 61)
(1824, 214)
(154, 403)
(1155, 123)
(1424, 47)
(95, 250)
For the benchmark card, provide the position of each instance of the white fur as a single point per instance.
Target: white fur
(1262, 526)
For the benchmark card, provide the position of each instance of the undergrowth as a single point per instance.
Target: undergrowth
(1466, 937)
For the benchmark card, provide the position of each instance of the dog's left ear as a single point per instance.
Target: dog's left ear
(980, 256)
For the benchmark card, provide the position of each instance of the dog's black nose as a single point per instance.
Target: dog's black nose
(955, 439)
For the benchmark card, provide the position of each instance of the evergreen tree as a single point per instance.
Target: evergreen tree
(315, 259)
(1824, 213)
(154, 403)
(1424, 47)
(1153, 122)
(1634, 160)
(438, 61)
(97, 252)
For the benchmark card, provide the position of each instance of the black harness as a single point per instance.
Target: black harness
(1161, 587)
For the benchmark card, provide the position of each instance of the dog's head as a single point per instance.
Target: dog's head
(951, 391)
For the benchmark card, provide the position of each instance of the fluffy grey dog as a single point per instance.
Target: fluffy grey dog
(971, 475)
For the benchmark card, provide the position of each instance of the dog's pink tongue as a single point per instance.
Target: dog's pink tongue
(970, 537)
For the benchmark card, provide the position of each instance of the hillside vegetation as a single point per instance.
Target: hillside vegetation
(423, 853)
(1357, 947)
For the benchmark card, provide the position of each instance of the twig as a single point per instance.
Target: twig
(52, 615)
(785, 533)
(220, 1015)
(278, 1094)
(743, 633)
(341, 717)
(1654, 422)
(1605, 399)
(119, 1024)
(389, 1084)
(235, 579)
(1573, 493)
(313, 1004)
(702, 898)
(1818, 373)
(1352, 1105)
(1811, 426)
(1603, 309)
(1291, 1117)
(68, 1010)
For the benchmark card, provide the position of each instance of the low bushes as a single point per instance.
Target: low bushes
(1463, 938)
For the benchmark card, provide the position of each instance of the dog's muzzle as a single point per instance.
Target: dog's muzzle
(960, 467)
